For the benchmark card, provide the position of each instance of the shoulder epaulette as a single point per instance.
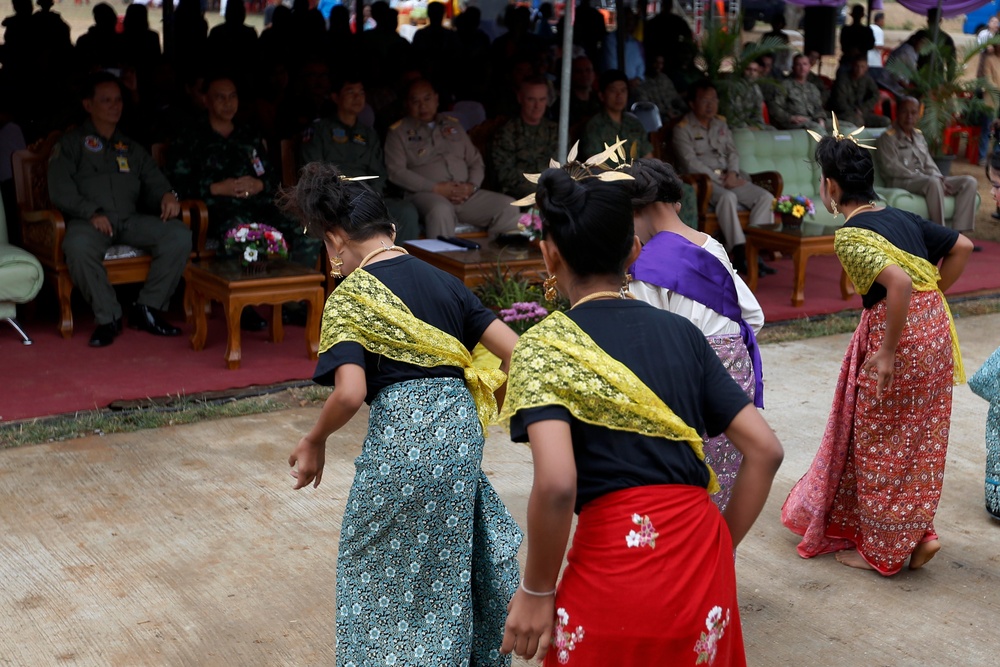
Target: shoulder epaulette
(449, 118)
(396, 124)
(891, 131)
(918, 130)
(682, 122)
(720, 117)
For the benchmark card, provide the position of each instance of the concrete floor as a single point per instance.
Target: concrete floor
(186, 545)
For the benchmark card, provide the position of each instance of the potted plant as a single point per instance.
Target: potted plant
(945, 92)
(515, 299)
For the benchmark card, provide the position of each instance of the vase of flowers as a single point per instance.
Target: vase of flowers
(254, 244)
(530, 224)
(792, 209)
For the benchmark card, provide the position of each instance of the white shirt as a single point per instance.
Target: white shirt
(875, 55)
(710, 322)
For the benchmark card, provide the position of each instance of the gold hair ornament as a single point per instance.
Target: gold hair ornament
(838, 135)
(592, 167)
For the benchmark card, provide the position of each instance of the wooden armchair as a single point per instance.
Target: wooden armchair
(43, 229)
(708, 223)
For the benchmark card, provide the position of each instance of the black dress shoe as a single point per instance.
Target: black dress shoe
(763, 269)
(105, 334)
(145, 318)
(250, 320)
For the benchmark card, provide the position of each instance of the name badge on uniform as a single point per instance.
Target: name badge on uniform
(258, 166)
(698, 137)
(122, 163)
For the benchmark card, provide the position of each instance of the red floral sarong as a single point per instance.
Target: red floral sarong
(650, 581)
(876, 480)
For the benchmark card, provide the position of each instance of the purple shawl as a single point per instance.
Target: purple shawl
(672, 262)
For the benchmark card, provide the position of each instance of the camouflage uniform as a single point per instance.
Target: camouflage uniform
(660, 90)
(711, 151)
(357, 151)
(114, 176)
(853, 100)
(421, 155)
(816, 80)
(519, 148)
(906, 162)
(602, 130)
(796, 99)
(742, 105)
(201, 156)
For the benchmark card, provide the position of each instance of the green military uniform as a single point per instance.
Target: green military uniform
(853, 100)
(581, 110)
(905, 162)
(201, 156)
(114, 176)
(816, 80)
(421, 155)
(520, 149)
(357, 151)
(601, 130)
(660, 90)
(712, 151)
(742, 105)
(796, 99)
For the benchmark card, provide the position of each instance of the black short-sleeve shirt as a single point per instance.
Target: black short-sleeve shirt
(432, 295)
(909, 232)
(671, 357)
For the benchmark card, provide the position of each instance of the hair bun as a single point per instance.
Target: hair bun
(557, 191)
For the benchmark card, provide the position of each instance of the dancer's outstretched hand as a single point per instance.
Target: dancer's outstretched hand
(307, 463)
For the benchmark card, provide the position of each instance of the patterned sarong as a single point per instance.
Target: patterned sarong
(986, 384)
(428, 552)
(876, 480)
(720, 454)
(650, 580)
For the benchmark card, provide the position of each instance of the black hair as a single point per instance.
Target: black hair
(700, 85)
(994, 164)
(323, 201)
(94, 80)
(653, 181)
(609, 76)
(590, 221)
(344, 77)
(218, 75)
(850, 166)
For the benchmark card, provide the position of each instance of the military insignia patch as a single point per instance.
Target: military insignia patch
(92, 143)
(359, 139)
(339, 135)
(307, 135)
(121, 147)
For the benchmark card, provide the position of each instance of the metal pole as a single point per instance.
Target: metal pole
(569, 17)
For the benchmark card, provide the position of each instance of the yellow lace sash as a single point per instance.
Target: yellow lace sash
(556, 363)
(364, 311)
(865, 254)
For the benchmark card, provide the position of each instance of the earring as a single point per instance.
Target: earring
(335, 264)
(625, 283)
(549, 285)
(833, 205)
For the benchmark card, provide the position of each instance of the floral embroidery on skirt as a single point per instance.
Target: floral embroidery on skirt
(708, 645)
(564, 641)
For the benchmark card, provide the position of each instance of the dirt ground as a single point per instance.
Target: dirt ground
(187, 546)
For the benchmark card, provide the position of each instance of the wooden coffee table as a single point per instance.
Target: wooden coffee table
(225, 281)
(802, 243)
(474, 266)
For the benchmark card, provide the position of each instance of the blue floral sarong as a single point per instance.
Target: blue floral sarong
(428, 551)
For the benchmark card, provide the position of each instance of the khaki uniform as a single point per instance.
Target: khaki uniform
(520, 149)
(601, 129)
(419, 156)
(114, 176)
(853, 100)
(357, 151)
(796, 99)
(905, 162)
(711, 151)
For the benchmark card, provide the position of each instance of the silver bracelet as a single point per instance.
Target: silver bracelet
(536, 593)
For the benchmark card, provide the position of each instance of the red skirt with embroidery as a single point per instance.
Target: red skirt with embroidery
(650, 581)
(876, 480)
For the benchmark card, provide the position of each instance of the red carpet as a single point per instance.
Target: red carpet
(822, 290)
(56, 376)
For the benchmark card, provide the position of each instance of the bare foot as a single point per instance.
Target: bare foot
(853, 559)
(923, 553)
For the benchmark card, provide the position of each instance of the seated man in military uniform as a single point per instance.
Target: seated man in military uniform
(430, 156)
(102, 181)
(704, 144)
(356, 150)
(905, 162)
(224, 163)
(796, 103)
(525, 144)
(612, 123)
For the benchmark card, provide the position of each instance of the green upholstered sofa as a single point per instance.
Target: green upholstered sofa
(20, 278)
(790, 152)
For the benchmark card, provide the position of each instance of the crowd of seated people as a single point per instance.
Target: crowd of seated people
(341, 94)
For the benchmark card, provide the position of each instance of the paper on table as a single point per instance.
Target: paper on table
(435, 245)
